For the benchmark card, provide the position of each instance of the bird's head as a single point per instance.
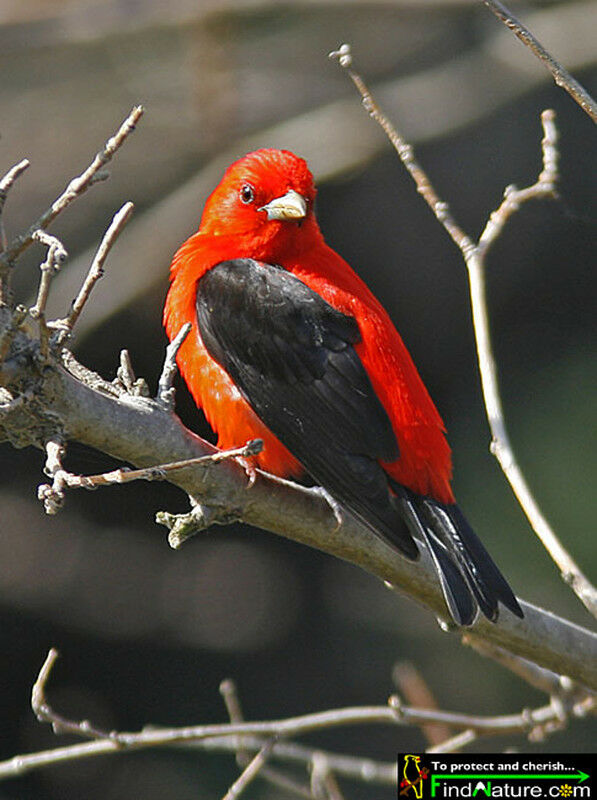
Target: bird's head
(265, 196)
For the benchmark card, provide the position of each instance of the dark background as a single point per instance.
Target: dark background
(145, 633)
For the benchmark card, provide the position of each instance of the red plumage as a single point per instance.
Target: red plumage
(263, 346)
(230, 229)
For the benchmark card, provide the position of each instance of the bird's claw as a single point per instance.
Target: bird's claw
(250, 470)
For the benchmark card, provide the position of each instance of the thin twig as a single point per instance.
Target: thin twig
(166, 391)
(501, 446)
(6, 184)
(75, 188)
(125, 379)
(55, 257)
(96, 270)
(527, 721)
(160, 471)
(251, 771)
(543, 679)
(45, 713)
(561, 75)
(324, 785)
(229, 736)
(405, 151)
(395, 713)
(453, 744)
(231, 700)
(474, 256)
(272, 775)
(52, 495)
(8, 180)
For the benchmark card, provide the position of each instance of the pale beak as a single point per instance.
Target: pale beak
(291, 206)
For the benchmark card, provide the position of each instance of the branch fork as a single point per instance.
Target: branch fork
(270, 739)
(474, 256)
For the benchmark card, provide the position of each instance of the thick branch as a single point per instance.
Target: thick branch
(137, 430)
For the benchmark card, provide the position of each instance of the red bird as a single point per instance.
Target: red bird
(288, 345)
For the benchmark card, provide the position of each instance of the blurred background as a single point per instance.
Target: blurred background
(146, 634)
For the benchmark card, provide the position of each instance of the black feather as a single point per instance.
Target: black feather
(455, 589)
(455, 546)
(292, 357)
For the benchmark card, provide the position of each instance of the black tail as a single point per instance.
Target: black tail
(467, 573)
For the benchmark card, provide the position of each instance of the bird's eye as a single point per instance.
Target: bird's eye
(247, 193)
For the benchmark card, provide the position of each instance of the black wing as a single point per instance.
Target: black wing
(292, 357)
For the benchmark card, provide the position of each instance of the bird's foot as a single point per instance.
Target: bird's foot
(250, 470)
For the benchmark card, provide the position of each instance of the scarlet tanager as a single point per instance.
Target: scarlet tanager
(288, 345)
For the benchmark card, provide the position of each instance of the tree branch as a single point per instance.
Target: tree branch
(263, 737)
(474, 256)
(560, 75)
(137, 430)
(59, 399)
(75, 188)
(96, 270)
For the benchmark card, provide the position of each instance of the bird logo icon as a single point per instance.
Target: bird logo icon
(413, 775)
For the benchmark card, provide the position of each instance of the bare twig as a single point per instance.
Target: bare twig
(543, 679)
(247, 735)
(501, 446)
(96, 270)
(360, 769)
(560, 75)
(474, 256)
(6, 184)
(125, 379)
(75, 188)
(243, 755)
(231, 700)
(527, 722)
(45, 713)
(166, 391)
(55, 257)
(53, 495)
(405, 151)
(324, 785)
(454, 743)
(8, 180)
(251, 771)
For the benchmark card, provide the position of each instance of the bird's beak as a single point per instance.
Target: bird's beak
(291, 206)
